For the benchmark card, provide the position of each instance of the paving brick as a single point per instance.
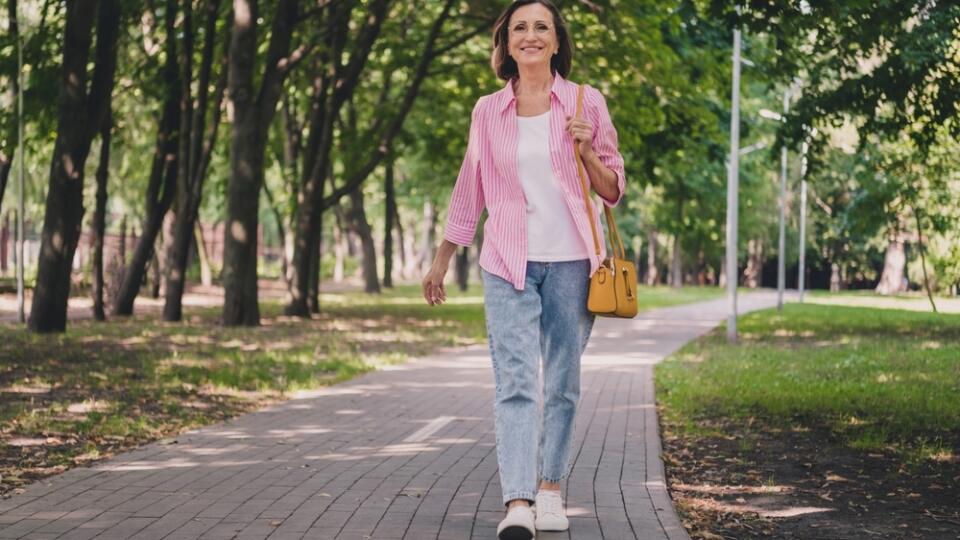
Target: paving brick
(299, 469)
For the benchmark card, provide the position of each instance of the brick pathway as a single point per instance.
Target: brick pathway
(407, 452)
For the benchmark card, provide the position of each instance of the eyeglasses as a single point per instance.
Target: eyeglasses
(538, 28)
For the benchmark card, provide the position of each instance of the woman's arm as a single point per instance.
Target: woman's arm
(466, 205)
(603, 180)
(597, 137)
(467, 200)
(434, 291)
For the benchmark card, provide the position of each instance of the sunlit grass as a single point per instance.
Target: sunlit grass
(878, 379)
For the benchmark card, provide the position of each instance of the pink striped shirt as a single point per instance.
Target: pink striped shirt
(489, 178)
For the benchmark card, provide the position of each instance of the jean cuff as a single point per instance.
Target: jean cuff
(527, 495)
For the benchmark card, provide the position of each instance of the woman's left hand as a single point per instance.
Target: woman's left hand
(582, 132)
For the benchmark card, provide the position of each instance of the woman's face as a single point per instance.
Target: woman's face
(532, 38)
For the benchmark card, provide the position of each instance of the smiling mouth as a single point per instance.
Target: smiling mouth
(531, 49)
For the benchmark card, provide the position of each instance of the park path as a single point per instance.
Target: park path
(406, 452)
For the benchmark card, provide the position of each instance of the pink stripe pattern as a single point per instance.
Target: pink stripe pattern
(489, 178)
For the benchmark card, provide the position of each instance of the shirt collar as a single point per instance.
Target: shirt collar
(507, 97)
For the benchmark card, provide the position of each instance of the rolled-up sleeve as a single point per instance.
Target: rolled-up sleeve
(605, 141)
(466, 201)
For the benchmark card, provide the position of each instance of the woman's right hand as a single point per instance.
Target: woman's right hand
(433, 290)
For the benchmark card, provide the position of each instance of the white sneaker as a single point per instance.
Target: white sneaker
(550, 513)
(518, 525)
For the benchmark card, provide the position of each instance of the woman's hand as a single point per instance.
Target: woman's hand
(434, 291)
(582, 132)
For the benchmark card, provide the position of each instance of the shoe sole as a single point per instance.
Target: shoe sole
(515, 532)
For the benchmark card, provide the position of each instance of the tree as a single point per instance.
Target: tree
(387, 109)
(81, 113)
(334, 84)
(163, 170)
(253, 113)
(389, 220)
(892, 65)
(9, 136)
(100, 215)
(195, 150)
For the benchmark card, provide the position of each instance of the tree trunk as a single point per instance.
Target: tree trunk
(6, 165)
(206, 272)
(4, 242)
(703, 270)
(428, 237)
(676, 262)
(836, 279)
(80, 116)
(100, 219)
(281, 232)
(362, 227)
(653, 275)
(155, 276)
(401, 244)
(412, 266)
(313, 291)
(478, 242)
(894, 263)
(246, 167)
(923, 259)
(163, 174)
(637, 256)
(316, 254)
(390, 211)
(462, 268)
(122, 242)
(196, 147)
(339, 249)
(253, 115)
(751, 274)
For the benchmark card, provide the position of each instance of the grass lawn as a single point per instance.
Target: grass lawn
(655, 297)
(102, 387)
(826, 406)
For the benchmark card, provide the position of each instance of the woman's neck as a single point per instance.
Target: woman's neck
(537, 80)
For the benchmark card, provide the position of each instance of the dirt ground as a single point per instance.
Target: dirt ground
(763, 482)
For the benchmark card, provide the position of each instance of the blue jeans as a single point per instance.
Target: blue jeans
(548, 319)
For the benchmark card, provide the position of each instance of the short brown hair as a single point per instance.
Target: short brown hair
(506, 67)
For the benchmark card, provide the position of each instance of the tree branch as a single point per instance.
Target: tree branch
(357, 178)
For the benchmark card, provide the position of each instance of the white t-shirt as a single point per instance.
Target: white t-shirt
(552, 235)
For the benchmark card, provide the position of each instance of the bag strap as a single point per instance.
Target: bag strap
(616, 244)
(583, 179)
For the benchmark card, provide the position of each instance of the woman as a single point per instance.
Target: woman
(538, 251)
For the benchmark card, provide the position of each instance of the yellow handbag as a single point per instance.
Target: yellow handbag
(613, 287)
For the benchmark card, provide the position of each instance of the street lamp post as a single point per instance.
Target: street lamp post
(803, 219)
(781, 250)
(733, 181)
(20, 183)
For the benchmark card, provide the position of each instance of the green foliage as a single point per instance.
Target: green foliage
(893, 64)
(883, 75)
